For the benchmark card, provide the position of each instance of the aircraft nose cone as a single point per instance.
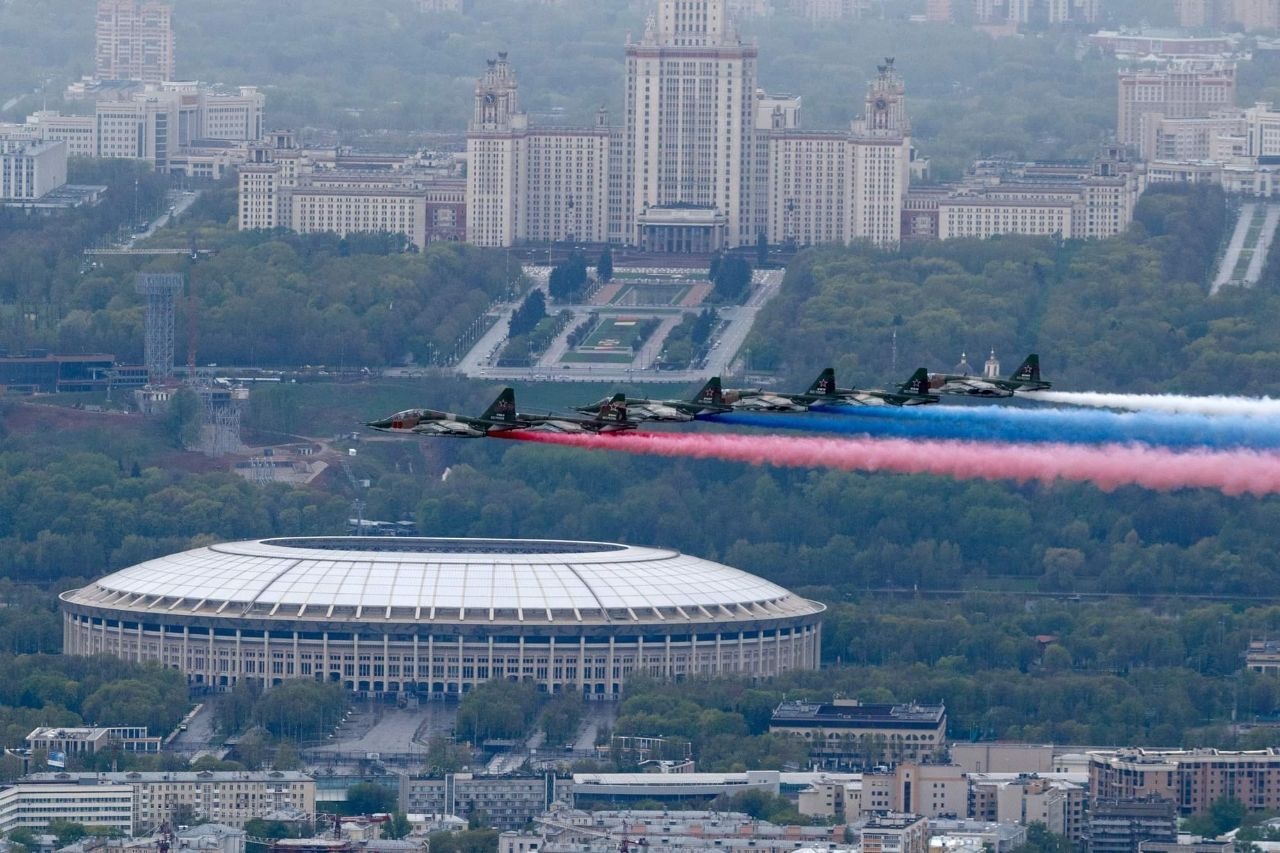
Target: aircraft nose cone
(385, 423)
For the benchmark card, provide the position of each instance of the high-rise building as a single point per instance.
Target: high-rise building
(134, 41)
(690, 131)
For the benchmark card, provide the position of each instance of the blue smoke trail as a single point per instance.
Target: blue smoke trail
(1002, 423)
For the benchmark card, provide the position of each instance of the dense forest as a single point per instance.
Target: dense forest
(263, 298)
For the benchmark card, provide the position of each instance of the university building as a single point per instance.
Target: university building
(704, 160)
(1072, 200)
(329, 190)
(163, 124)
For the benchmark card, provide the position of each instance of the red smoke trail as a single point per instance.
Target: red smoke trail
(1106, 466)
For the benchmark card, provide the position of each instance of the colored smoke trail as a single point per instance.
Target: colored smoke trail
(1253, 407)
(1107, 467)
(1005, 423)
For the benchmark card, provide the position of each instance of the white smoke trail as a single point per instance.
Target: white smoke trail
(1166, 403)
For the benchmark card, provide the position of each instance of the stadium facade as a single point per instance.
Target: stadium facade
(435, 617)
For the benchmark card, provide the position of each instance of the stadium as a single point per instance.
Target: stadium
(435, 617)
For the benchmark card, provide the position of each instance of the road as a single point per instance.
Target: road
(379, 728)
(721, 361)
(200, 732)
(1249, 213)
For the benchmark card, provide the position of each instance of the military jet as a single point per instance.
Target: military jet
(611, 415)
(429, 422)
(501, 416)
(913, 392)
(646, 410)
(1025, 378)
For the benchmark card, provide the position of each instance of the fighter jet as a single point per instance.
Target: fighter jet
(913, 392)
(611, 415)
(429, 422)
(646, 410)
(1025, 378)
(501, 416)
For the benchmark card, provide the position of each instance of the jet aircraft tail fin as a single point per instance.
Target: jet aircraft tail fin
(1029, 370)
(825, 384)
(918, 384)
(711, 393)
(614, 410)
(502, 409)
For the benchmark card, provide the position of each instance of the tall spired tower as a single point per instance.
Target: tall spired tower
(690, 131)
(496, 156)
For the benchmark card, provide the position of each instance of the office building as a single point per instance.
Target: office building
(134, 41)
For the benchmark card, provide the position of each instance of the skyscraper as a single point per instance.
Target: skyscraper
(134, 41)
(689, 136)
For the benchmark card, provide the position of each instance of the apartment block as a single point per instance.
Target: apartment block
(134, 40)
(220, 797)
(1191, 779)
(930, 790)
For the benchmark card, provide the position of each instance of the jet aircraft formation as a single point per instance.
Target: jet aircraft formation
(1157, 441)
(618, 414)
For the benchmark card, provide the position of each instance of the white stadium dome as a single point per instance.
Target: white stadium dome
(437, 616)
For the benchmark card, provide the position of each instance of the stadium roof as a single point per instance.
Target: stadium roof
(419, 578)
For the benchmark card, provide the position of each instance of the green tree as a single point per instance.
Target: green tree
(370, 798)
(1223, 815)
(67, 832)
(397, 827)
(182, 418)
(731, 276)
(1041, 840)
(604, 266)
